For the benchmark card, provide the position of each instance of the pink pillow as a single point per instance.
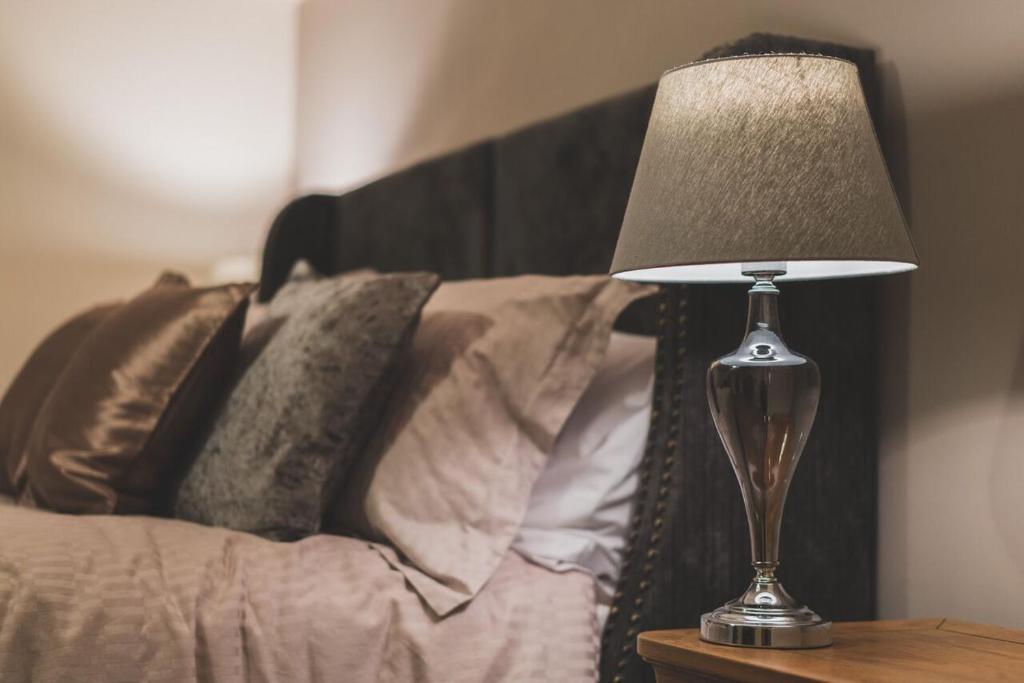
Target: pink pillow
(493, 372)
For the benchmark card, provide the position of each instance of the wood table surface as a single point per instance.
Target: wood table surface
(908, 651)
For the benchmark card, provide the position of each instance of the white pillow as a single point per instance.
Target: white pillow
(580, 507)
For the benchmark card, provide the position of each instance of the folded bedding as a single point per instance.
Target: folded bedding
(106, 598)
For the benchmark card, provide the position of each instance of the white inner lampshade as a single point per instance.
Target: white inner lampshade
(795, 270)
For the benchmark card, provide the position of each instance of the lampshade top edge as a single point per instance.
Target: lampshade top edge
(754, 55)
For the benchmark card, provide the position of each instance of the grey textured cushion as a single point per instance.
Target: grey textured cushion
(324, 351)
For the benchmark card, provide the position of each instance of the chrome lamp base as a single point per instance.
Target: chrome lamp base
(763, 398)
(765, 616)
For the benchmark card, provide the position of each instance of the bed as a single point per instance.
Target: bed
(219, 605)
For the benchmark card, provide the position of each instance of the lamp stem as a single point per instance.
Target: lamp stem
(762, 307)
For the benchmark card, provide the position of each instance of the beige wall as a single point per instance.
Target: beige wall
(383, 84)
(134, 135)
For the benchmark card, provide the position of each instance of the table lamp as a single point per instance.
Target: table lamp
(762, 168)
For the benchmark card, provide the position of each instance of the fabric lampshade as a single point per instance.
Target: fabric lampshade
(762, 158)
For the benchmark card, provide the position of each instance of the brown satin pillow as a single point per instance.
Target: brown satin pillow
(32, 385)
(492, 374)
(120, 424)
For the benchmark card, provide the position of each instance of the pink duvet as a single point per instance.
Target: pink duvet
(138, 599)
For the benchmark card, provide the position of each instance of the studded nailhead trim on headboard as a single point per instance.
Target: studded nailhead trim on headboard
(626, 615)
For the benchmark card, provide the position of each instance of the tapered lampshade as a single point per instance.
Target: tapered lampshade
(763, 158)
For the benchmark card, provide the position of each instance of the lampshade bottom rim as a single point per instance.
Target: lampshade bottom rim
(821, 269)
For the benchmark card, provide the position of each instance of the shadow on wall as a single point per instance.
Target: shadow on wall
(1006, 477)
(893, 345)
(968, 317)
(964, 467)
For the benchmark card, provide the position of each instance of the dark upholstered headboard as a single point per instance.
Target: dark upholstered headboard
(550, 199)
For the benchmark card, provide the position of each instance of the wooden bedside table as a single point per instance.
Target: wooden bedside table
(907, 651)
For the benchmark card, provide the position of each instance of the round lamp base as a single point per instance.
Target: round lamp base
(777, 626)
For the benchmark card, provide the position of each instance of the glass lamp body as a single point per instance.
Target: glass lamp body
(763, 398)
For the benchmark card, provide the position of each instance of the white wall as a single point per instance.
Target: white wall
(134, 135)
(385, 83)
